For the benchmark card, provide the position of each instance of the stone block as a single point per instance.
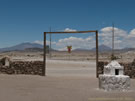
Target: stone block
(111, 82)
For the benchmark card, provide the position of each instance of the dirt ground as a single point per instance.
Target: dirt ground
(65, 81)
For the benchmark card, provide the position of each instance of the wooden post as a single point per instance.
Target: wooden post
(50, 44)
(44, 64)
(112, 40)
(97, 54)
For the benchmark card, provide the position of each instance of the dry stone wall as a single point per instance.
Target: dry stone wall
(22, 67)
(129, 68)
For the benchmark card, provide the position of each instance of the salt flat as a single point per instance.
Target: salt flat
(65, 81)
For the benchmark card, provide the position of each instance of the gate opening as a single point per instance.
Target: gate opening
(45, 52)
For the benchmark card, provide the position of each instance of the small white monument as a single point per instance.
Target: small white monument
(5, 61)
(114, 78)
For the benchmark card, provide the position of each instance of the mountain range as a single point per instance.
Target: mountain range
(38, 47)
(102, 48)
(21, 47)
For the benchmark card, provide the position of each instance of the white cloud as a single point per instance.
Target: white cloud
(132, 33)
(42, 42)
(130, 40)
(62, 49)
(38, 42)
(76, 42)
(69, 30)
(107, 31)
(122, 39)
(119, 36)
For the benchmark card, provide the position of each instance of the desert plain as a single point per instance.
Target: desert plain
(69, 77)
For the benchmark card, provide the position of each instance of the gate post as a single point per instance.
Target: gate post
(44, 61)
(97, 54)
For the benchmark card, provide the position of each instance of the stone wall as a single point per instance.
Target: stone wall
(129, 68)
(22, 67)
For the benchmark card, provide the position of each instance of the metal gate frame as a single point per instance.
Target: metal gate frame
(89, 31)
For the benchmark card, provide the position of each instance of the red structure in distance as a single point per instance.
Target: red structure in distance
(69, 49)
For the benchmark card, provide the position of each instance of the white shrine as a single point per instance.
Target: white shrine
(114, 78)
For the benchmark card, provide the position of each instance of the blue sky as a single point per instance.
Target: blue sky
(26, 20)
